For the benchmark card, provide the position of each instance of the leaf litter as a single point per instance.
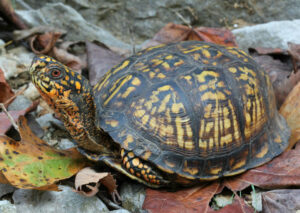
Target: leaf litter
(197, 199)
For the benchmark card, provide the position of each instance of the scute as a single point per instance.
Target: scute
(193, 109)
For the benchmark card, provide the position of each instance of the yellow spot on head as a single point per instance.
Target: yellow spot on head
(48, 59)
(67, 78)
(77, 85)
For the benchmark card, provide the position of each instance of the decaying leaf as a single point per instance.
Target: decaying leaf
(32, 163)
(176, 32)
(284, 200)
(290, 110)
(100, 60)
(88, 176)
(6, 92)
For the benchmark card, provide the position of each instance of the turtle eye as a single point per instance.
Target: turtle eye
(56, 73)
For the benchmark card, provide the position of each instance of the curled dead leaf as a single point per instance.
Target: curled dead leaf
(88, 176)
(43, 43)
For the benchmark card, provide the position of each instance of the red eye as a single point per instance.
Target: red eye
(56, 73)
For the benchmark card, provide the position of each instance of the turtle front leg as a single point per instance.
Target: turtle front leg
(141, 170)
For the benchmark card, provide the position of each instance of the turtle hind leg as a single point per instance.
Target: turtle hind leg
(142, 170)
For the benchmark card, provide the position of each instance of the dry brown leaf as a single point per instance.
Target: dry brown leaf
(290, 111)
(87, 176)
(176, 32)
(3, 179)
(100, 60)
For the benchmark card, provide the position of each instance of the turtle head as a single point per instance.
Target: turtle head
(69, 94)
(56, 81)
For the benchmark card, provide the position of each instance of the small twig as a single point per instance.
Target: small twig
(9, 117)
(183, 19)
(19, 92)
(132, 40)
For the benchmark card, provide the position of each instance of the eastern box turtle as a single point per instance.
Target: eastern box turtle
(170, 114)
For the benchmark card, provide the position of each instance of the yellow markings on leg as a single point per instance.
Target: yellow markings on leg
(135, 162)
(206, 53)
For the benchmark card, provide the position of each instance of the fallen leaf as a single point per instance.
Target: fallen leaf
(176, 32)
(44, 43)
(5, 91)
(100, 60)
(32, 163)
(291, 113)
(5, 122)
(282, 172)
(277, 201)
(88, 176)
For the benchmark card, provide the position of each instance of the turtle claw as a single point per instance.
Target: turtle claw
(116, 197)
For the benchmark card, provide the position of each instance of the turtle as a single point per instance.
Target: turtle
(172, 114)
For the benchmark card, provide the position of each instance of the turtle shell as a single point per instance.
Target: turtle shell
(193, 109)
